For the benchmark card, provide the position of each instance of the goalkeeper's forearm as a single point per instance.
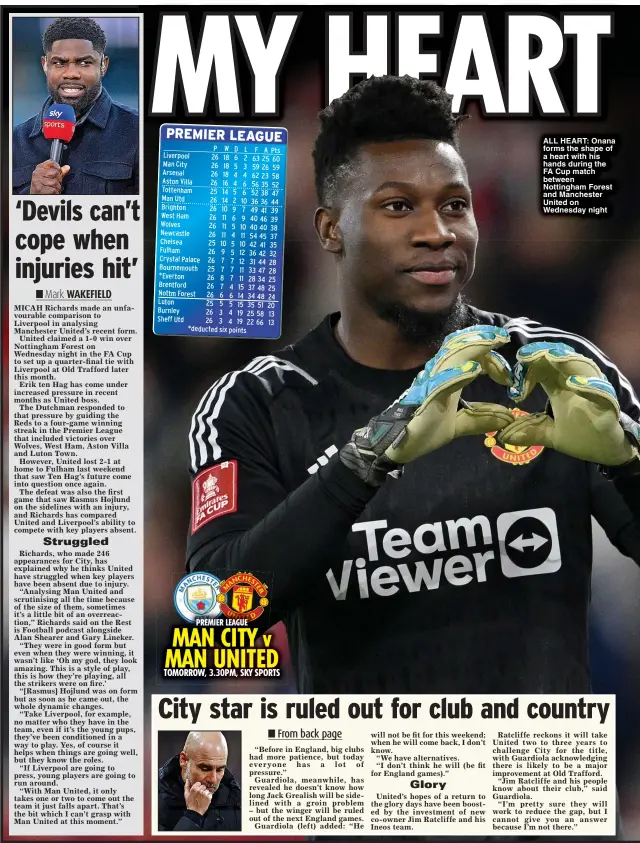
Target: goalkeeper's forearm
(296, 538)
(627, 477)
(629, 488)
(311, 524)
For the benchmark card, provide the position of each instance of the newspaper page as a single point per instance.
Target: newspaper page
(321, 429)
(406, 765)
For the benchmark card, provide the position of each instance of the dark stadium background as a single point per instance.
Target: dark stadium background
(578, 274)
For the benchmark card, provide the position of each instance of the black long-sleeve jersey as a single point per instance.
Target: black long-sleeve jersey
(468, 573)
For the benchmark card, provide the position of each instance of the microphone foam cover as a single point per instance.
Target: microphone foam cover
(59, 122)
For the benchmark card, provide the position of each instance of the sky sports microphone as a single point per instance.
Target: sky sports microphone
(58, 126)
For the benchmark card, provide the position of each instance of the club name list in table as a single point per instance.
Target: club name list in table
(220, 231)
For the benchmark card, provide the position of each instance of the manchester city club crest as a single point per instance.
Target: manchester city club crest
(200, 598)
(196, 596)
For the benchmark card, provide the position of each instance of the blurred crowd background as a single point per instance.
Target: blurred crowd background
(581, 275)
(29, 81)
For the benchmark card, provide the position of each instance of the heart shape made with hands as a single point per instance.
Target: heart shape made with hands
(433, 401)
(582, 418)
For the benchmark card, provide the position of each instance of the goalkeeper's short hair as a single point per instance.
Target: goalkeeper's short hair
(378, 110)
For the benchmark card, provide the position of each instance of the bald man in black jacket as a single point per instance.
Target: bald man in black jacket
(196, 790)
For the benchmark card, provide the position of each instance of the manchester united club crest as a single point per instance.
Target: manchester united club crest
(514, 454)
(243, 596)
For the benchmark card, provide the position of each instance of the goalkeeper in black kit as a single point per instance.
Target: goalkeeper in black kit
(419, 475)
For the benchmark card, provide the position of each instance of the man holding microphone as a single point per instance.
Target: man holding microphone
(101, 156)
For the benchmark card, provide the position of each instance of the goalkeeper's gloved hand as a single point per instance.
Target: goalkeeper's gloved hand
(430, 413)
(582, 418)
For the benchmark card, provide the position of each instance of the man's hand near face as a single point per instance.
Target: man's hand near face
(47, 178)
(197, 797)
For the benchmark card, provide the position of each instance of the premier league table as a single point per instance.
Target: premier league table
(220, 231)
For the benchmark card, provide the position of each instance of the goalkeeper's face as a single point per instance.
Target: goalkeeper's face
(406, 227)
